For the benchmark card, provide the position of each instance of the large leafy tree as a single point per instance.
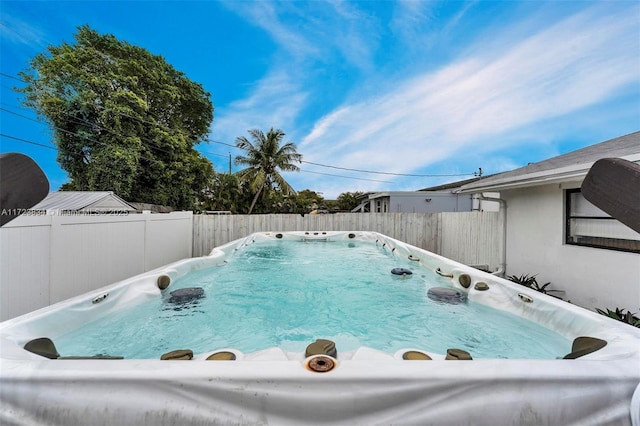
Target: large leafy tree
(348, 201)
(265, 157)
(302, 202)
(123, 119)
(308, 200)
(226, 192)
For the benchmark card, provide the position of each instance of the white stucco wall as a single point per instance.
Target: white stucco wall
(416, 202)
(591, 277)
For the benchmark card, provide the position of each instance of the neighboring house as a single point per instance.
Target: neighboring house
(83, 202)
(418, 202)
(554, 232)
(435, 199)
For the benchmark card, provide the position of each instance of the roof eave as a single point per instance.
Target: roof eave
(565, 174)
(524, 183)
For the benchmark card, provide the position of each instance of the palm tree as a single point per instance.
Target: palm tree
(264, 158)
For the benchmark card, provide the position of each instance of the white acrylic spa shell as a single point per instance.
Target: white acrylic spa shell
(365, 386)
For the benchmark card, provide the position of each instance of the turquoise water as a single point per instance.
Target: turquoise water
(287, 294)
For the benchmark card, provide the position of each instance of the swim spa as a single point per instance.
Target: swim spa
(370, 365)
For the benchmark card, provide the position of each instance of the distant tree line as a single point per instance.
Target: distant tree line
(125, 120)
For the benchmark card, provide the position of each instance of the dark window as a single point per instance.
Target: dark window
(587, 225)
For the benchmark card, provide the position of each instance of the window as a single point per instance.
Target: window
(587, 225)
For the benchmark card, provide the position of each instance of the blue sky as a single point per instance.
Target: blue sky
(416, 88)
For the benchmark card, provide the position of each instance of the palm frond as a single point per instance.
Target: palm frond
(243, 143)
(264, 157)
(283, 184)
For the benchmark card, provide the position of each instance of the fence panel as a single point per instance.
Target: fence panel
(468, 237)
(24, 266)
(471, 238)
(46, 259)
(88, 252)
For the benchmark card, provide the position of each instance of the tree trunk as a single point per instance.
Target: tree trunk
(253, 203)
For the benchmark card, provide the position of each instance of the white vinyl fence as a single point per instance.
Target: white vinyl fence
(46, 259)
(472, 238)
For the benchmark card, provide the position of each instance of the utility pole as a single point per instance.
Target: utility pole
(229, 162)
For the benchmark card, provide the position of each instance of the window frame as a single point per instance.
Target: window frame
(568, 217)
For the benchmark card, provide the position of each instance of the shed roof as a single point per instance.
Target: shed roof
(572, 166)
(83, 201)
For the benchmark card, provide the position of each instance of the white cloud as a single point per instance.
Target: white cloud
(314, 30)
(355, 34)
(267, 16)
(410, 18)
(538, 69)
(480, 101)
(304, 44)
(18, 32)
(275, 102)
(426, 24)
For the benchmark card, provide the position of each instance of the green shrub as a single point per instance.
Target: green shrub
(531, 282)
(621, 315)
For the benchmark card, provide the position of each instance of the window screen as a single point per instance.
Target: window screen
(587, 225)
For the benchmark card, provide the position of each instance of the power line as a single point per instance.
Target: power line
(4, 86)
(24, 116)
(384, 173)
(56, 149)
(93, 124)
(75, 134)
(344, 177)
(221, 143)
(207, 139)
(28, 141)
(85, 122)
(204, 152)
(303, 171)
(72, 133)
(214, 154)
(12, 77)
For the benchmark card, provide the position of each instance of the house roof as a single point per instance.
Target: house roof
(83, 201)
(453, 185)
(572, 166)
(408, 194)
